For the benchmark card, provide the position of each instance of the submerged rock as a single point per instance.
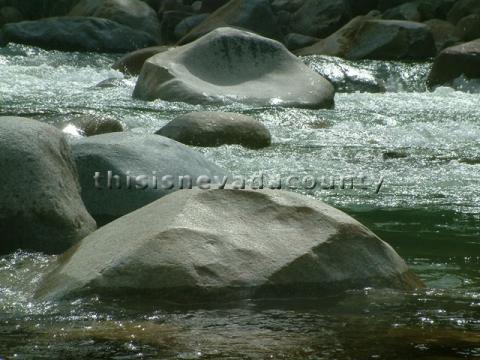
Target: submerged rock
(368, 38)
(230, 65)
(132, 63)
(252, 15)
(219, 244)
(143, 169)
(135, 14)
(455, 61)
(217, 128)
(77, 34)
(40, 208)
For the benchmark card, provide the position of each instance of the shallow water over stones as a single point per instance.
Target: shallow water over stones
(425, 146)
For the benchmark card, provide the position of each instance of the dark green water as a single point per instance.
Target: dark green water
(425, 145)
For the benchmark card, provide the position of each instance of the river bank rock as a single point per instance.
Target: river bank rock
(368, 38)
(229, 244)
(455, 61)
(41, 208)
(135, 14)
(141, 157)
(132, 63)
(252, 15)
(77, 34)
(217, 128)
(230, 65)
(320, 18)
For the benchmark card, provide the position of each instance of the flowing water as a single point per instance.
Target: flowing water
(424, 145)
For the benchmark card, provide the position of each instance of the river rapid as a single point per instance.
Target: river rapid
(422, 146)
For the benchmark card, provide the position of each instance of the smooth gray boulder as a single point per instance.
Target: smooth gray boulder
(143, 169)
(40, 207)
(132, 63)
(77, 34)
(252, 15)
(230, 65)
(209, 128)
(368, 38)
(135, 14)
(320, 18)
(229, 244)
(455, 61)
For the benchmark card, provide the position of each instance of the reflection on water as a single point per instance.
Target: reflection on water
(426, 145)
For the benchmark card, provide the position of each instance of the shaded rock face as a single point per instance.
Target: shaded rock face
(369, 38)
(187, 24)
(408, 11)
(135, 14)
(463, 8)
(9, 14)
(138, 156)
(217, 128)
(77, 34)
(230, 65)
(132, 63)
(297, 41)
(455, 61)
(252, 15)
(320, 18)
(229, 244)
(444, 33)
(469, 27)
(36, 9)
(40, 208)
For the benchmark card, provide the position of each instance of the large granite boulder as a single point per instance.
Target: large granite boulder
(368, 38)
(40, 207)
(132, 63)
(208, 128)
(135, 14)
(252, 15)
(230, 65)
(77, 34)
(218, 244)
(143, 168)
(320, 18)
(455, 61)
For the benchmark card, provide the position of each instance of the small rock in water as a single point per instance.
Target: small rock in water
(90, 125)
(394, 155)
(217, 128)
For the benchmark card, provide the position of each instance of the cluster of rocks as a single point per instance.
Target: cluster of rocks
(169, 242)
(373, 29)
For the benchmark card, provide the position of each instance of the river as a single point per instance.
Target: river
(422, 146)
